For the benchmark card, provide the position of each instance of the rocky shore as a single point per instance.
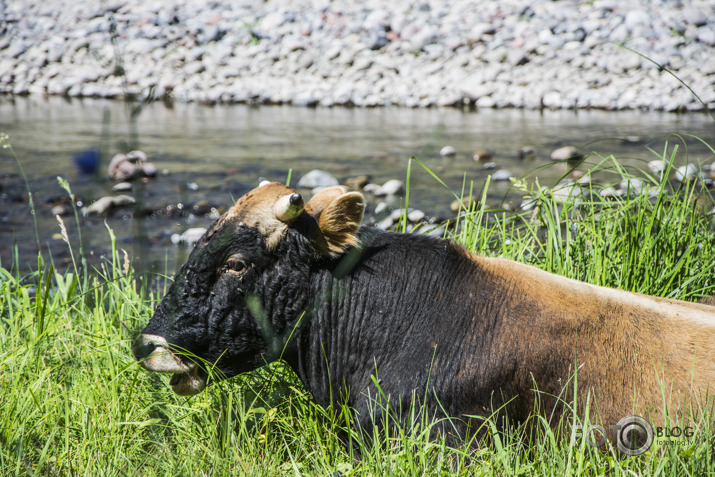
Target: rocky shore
(524, 54)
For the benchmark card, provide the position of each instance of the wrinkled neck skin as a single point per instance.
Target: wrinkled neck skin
(415, 314)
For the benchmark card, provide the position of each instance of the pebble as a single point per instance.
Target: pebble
(686, 173)
(61, 210)
(565, 153)
(448, 151)
(657, 167)
(362, 53)
(526, 152)
(391, 187)
(415, 216)
(317, 178)
(385, 224)
(125, 167)
(122, 187)
(609, 193)
(502, 175)
(189, 237)
(464, 204)
(481, 155)
(380, 208)
(566, 193)
(104, 205)
(357, 183)
(371, 188)
(633, 186)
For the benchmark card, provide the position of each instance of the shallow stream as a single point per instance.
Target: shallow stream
(208, 156)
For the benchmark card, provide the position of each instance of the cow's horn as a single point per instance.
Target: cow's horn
(288, 207)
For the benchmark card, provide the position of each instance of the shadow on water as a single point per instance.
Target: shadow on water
(209, 156)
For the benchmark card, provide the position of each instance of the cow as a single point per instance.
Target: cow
(352, 308)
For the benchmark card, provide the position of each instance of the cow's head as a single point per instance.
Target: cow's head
(244, 287)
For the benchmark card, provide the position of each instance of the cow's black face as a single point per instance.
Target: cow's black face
(245, 285)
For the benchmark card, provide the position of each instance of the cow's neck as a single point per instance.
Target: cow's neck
(424, 302)
(407, 295)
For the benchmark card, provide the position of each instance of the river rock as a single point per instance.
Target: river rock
(467, 203)
(481, 155)
(122, 187)
(448, 151)
(502, 175)
(609, 192)
(565, 153)
(391, 187)
(385, 224)
(104, 205)
(125, 167)
(686, 173)
(317, 178)
(657, 167)
(357, 183)
(189, 237)
(416, 215)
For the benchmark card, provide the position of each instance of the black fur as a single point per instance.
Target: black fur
(414, 312)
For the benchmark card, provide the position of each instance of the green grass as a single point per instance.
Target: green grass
(73, 401)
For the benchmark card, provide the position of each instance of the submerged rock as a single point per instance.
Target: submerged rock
(125, 167)
(104, 205)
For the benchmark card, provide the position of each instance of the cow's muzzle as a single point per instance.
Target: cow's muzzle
(154, 354)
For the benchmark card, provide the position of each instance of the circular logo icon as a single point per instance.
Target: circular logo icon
(634, 435)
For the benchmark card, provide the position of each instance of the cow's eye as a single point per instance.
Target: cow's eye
(235, 264)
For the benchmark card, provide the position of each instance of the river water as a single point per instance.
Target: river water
(211, 155)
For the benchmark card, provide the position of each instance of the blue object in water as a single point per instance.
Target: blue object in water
(87, 161)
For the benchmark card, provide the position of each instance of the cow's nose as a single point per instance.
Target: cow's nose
(143, 347)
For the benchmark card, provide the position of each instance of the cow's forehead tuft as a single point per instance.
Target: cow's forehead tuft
(256, 209)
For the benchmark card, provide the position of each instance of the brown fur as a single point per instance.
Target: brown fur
(323, 198)
(339, 214)
(340, 221)
(255, 209)
(635, 352)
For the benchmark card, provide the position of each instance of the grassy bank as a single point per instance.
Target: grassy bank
(73, 401)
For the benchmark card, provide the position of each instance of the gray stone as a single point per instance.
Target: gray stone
(385, 224)
(448, 151)
(381, 208)
(391, 187)
(317, 178)
(609, 193)
(122, 187)
(502, 175)
(565, 153)
(687, 172)
(104, 205)
(706, 35)
(415, 216)
(695, 16)
(189, 237)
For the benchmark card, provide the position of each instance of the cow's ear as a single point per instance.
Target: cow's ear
(323, 198)
(340, 220)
